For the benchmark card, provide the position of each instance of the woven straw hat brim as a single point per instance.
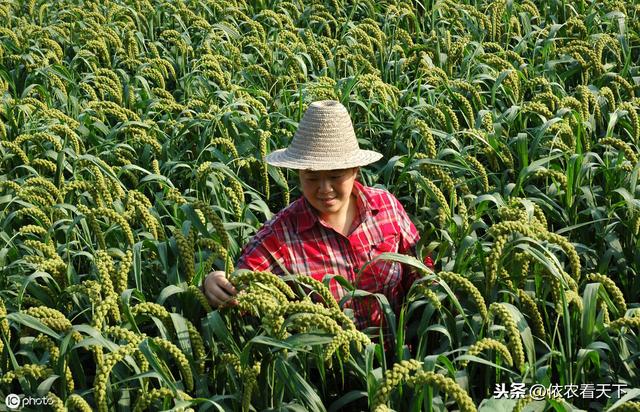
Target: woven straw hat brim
(324, 140)
(282, 158)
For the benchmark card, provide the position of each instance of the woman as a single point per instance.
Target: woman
(337, 226)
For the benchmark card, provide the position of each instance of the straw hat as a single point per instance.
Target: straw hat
(325, 140)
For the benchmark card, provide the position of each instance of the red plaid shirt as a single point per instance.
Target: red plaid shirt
(297, 241)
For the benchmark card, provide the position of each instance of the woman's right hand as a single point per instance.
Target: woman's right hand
(218, 290)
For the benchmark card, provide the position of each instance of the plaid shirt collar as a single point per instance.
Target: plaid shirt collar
(307, 216)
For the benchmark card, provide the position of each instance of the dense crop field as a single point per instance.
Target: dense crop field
(132, 135)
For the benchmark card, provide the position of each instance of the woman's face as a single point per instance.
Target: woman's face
(328, 191)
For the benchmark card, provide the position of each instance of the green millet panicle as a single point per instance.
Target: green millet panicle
(106, 270)
(482, 172)
(493, 259)
(447, 386)
(263, 138)
(197, 345)
(464, 215)
(10, 184)
(555, 175)
(602, 306)
(628, 87)
(513, 213)
(36, 214)
(311, 307)
(538, 108)
(450, 114)
(104, 370)
(629, 406)
(200, 297)
(244, 278)
(567, 247)
(138, 204)
(587, 98)
(427, 137)
(309, 321)
(521, 403)
(258, 297)
(286, 191)
(230, 359)
(466, 108)
(46, 185)
(539, 215)
(392, 378)
(120, 333)
(234, 201)
(458, 282)
(572, 103)
(607, 94)
(152, 309)
(217, 251)
(181, 360)
(489, 344)
(343, 340)
(563, 131)
(47, 343)
(423, 291)
(629, 154)
(122, 274)
(186, 252)
(556, 289)
(529, 307)
(35, 371)
(441, 201)
(124, 334)
(17, 150)
(572, 297)
(447, 182)
(40, 137)
(548, 98)
(319, 288)
(250, 378)
(148, 398)
(36, 230)
(56, 403)
(104, 199)
(437, 115)
(633, 118)
(215, 221)
(515, 342)
(50, 317)
(504, 276)
(612, 289)
(77, 402)
(102, 310)
(113, 215)
(633, 322)
(5, 330)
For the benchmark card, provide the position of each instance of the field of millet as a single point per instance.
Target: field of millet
(132, 137)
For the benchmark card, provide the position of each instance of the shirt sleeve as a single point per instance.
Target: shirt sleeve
(263, 253)
(409, 235)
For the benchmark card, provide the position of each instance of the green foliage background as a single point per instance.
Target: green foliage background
(131, 142)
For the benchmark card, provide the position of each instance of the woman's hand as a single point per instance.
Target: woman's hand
(218, 290)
